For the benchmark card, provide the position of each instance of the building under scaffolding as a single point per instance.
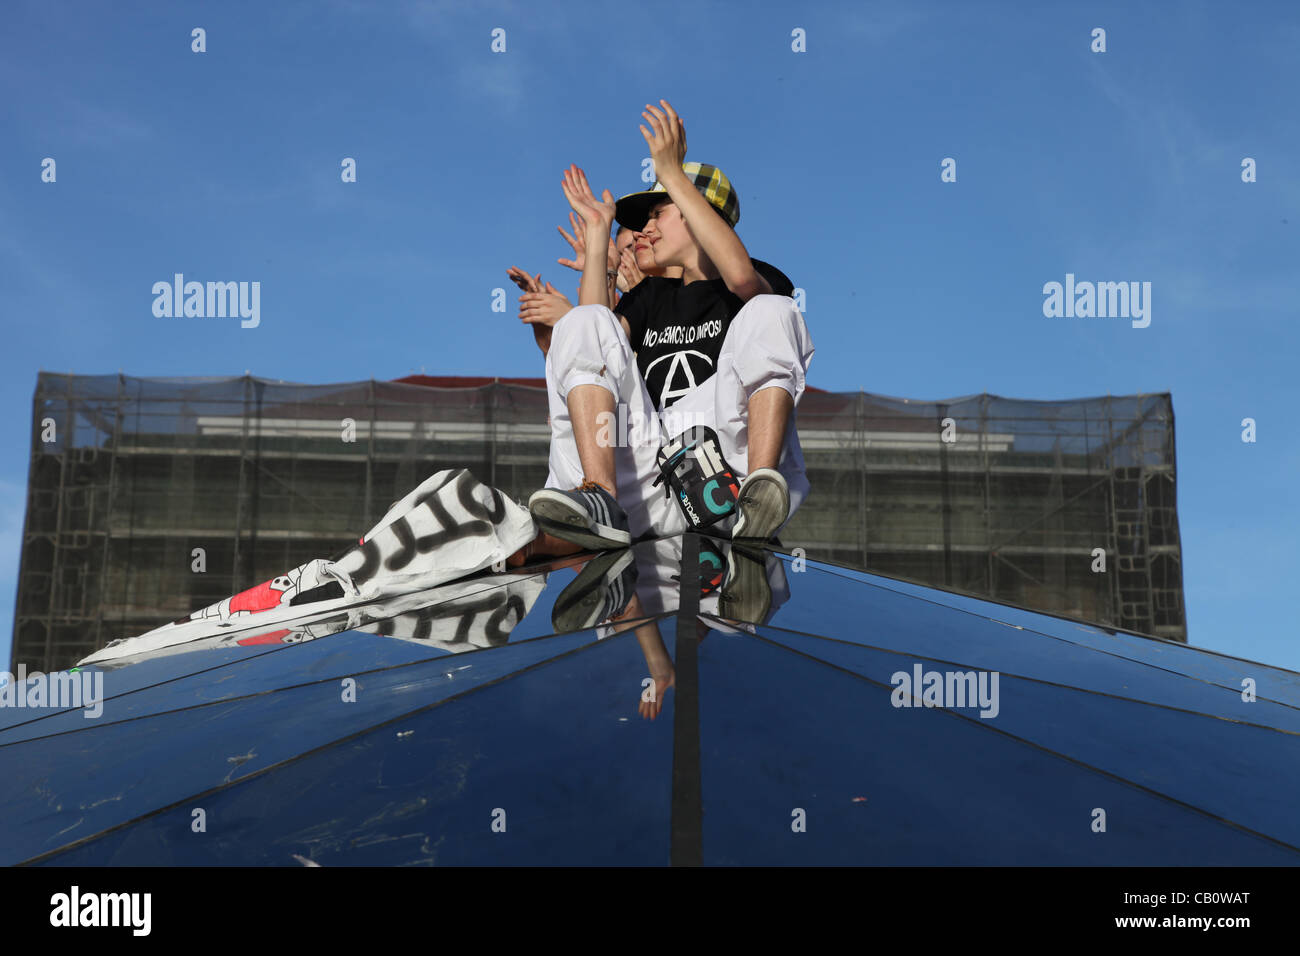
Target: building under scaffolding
(150, 498)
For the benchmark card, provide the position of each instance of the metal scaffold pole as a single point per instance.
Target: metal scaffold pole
(119, 411)
(65, 446)
(860, 450)
(370, 454)
(988, 491)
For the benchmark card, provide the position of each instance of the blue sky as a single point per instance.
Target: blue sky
(1115, 166)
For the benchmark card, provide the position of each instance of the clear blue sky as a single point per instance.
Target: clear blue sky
(1115, 166)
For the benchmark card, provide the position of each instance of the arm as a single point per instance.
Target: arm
(579, 261)
(718, 240)
(633, 310)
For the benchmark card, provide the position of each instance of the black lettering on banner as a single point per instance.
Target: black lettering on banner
(492, 602)
(468, 611)
(484, 520)
(369, 564)
(465, 493)
(405, 553)
(452, 530)
(514, 604)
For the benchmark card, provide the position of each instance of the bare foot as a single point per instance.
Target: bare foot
(543, 546)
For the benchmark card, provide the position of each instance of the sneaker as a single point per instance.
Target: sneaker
(587, 515)
(746, 594)
(601, 591)
(764, 504)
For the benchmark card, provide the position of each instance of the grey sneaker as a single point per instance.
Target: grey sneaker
(746, 594)
(587, 515)
(602, 590)
(763, 503)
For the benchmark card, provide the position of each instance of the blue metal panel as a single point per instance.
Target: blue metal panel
(785, 731)
(1273, 682)
(1199, 760)
(791, 716)
(558, 748)
(927, 623)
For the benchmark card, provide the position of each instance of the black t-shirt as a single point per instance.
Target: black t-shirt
(677, 330)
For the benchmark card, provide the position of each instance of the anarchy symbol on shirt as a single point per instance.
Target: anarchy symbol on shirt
(680, 378)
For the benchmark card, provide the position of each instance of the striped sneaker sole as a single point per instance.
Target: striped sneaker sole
(764, 505)
(746, 594)
(560, 515)
(598, 592)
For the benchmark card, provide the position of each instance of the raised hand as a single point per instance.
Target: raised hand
(579, 243)
(666, 137)
(584, 202)
(525, 282)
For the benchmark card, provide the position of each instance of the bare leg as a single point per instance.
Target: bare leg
(769, 413)
(586, 403)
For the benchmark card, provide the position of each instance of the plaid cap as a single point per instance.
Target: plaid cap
(633, 209)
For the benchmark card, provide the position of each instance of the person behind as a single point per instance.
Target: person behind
(719, 344)
(542, 305)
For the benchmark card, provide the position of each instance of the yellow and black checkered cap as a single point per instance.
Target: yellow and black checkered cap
(634, 209)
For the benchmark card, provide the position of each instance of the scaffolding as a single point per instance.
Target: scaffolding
(149, 498)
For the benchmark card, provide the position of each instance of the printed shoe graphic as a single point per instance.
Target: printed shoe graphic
(601, 591)
(587, 515)
(764, 504)
(746, 594)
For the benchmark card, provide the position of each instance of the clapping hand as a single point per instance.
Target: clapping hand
(579, 243)
(525, 282)
(584, 202)
(542, 309)
(629, 273)
(545, 308)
